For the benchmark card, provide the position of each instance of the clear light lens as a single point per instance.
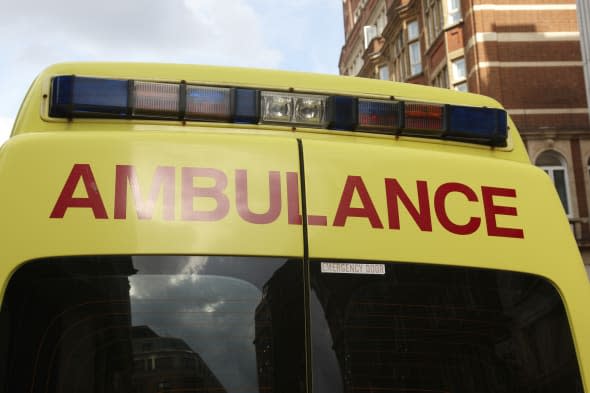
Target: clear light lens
(208, 102)
(294, 108)
(152, 99)
(276, 107)
(424, 117)
(310, 110)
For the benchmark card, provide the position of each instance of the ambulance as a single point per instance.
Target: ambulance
(180, 228)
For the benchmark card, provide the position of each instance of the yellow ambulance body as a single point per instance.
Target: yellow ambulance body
(202, 229)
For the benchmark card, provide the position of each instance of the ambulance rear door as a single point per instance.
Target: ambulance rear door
(150, 261)
(439, 268)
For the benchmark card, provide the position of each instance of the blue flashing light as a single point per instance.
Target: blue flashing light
(342, 113)
(81, 96)
(208, 103)
(487, 125)
(246, 106)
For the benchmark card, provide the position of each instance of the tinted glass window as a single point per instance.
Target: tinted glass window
(156, 324)
(423, 328)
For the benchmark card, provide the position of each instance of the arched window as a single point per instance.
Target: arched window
(554, 165)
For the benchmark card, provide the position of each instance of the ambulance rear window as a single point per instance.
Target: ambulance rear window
(214, 324)
(150, 324)
(421, 328)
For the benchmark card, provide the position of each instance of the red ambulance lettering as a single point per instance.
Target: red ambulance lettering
(293, 199)
(163, 180)
(204, 197)
(345, 210)
(215, 192)
(440, 197)
(274, 197)
(293, 204)
(492, 210)
(421, 215)
(67, 200)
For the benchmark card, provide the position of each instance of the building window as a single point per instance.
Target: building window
(399, 64)
(384, 72)
(453, 12)
(369, 33)
(414, 48)
(459, 74)
(381, 22)
(358, 62)
(441, 79)
(433, 19)
(554, 165)
(413, 31)
(461, 87)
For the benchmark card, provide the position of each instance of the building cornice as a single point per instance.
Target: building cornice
(562, 134)
(354, 34)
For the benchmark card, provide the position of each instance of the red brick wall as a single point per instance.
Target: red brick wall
(526, 21)
(533, 122)
(455, 38)
(540, 86)
(529, 51)
(436, 54)
(535, 87)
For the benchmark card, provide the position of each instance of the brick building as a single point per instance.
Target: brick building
(525, 53)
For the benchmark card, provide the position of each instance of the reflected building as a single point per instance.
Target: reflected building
(72, 326)
(97, 310)
(78, 336)
(168, 363)
(279, 332)
(441, 330)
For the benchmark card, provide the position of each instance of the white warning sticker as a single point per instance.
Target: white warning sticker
(353, 268)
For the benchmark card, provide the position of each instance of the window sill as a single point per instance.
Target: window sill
(414, 76)
(451, 26)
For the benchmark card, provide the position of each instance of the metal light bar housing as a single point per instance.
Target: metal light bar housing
(85, 97)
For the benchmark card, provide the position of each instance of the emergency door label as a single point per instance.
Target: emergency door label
(353, 268)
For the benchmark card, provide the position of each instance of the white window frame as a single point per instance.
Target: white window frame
(459, 74)
(441, 79)
(398, 50)
(381, 22)
(551, 170)
(381, 69)
(453, 12)
(415, 58)
(433, 19)
(414, 52)
(369, 32)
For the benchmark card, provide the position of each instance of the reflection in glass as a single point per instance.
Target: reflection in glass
(236, 325)
(424, 328)
(156, 324)
(168, 362)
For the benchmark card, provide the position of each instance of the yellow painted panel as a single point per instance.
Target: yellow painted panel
(177, 194)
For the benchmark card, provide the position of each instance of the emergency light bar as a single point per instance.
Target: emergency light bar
(83, 97)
